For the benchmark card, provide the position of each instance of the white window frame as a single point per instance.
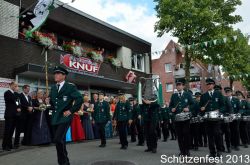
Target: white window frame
(168, 71)
(135, 58)
(171, 90)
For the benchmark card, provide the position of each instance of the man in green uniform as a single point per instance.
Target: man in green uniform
(139, 123)
(133, 124)
(194, 126)
(65, 100)
(244, 111)
(101, 116)
(164, 121)
(151, 117)
(122, 117)
(181, 102)
(213, 100)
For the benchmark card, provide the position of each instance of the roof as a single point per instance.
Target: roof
(66, 6)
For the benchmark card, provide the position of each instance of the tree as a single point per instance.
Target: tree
(234, 56)
(195, 21)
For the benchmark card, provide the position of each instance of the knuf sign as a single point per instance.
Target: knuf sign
(80, 64)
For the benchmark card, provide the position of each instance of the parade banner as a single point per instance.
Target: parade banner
(80, 64)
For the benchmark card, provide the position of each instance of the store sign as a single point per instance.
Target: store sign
(4, 86)
(80, 64)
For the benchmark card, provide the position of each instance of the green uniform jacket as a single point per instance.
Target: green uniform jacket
(122, 111)
(165, 114)
(63, 101)
(227, 109)
(235, 103)
(151, 112)
(185, 101)
(101, 112)
(136, 111)
(215, 103)
(244, 109)
(195, 108)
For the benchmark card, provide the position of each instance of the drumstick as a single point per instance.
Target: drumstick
(206, 104)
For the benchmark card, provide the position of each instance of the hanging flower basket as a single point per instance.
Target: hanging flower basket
(47, 40)
(95, 57)
(116, 62)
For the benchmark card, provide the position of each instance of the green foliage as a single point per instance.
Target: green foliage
(197, 21)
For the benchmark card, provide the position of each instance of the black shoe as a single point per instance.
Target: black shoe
(164, 140)
(212, 155)
(148, 150)
(6, 149)
(123, 147)
(154, 150)
(245, 146)
(132, 141)
(16, 147)
(205, 145)
(187, 153)
(181, 154)
(172, 139)
(237, 148)
(196, 148)
(140, 144)
(218, 154)
(229, 150)
(102, 145)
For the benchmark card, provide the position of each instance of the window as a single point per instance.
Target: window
(169, 87)
(168, 68)
(138, 62)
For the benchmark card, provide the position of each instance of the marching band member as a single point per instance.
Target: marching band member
(244, 111)
(194, 127)
(225, 127)
(181, 102)
(213, 100)
(151, 116)
(101, 117)
(122, 117)
(133, 124)
(164, 121)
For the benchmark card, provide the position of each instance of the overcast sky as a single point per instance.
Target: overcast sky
(138, 17)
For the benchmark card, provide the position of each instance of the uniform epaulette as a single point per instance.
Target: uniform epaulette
(71, 84)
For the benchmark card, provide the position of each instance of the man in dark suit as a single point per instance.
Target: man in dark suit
(213, 100)
(101, 116)
(11, 115)
(66, 100)
(26, 115)
(181, 102)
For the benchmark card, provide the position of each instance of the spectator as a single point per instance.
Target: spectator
(40, 129)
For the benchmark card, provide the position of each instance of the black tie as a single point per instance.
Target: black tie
(179, 94)
(58, 87)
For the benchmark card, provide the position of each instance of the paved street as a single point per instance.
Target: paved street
(86, 153)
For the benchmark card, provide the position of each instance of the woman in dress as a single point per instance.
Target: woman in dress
(40, 129)
(77, 130)
(87, 109)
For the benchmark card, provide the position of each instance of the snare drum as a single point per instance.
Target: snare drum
(213, 116)
(227, 119)
(236, 116)
(183, 116)
(245, 118)
(194, 120)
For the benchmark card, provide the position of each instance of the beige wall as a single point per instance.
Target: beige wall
(8, 19)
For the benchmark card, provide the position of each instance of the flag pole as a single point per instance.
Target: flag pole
(46, 72)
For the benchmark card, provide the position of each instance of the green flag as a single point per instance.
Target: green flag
(160, 95)
(41, 11)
